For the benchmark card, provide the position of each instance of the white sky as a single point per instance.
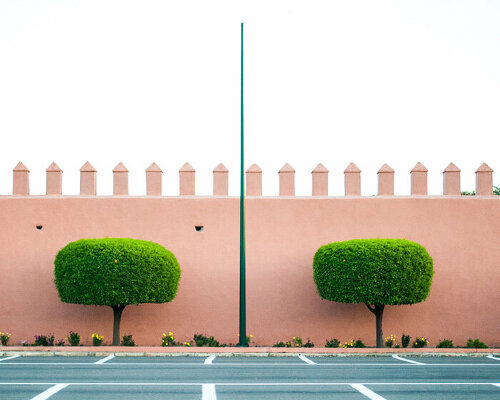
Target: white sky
(371, 82)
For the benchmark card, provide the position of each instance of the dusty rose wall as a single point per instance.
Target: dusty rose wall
(460, 233)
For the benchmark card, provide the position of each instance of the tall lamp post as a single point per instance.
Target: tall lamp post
(243, 311)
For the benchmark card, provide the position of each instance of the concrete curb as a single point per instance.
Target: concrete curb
(155, 351)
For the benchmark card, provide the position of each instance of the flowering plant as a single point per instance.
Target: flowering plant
(390, 340)
(42, 340)
(4, 338)
(168, 340)
(358, 343)
(420, 342)
(96, 339)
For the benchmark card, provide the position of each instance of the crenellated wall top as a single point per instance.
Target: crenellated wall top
(187, 176)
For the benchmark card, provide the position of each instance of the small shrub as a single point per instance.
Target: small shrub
(445, 344)
(390, 340)
(168, 340)
(405, 340)
(206, 341)
(296, 342)
(4, 338)
(249, 338)
(332, 343)
(128, 341)
(42, 340)
(354, 344)
(96, 339)
(468, 193)
(308, 343)
(475, 344)
(279, 344)
(420, 342)
(60, 342)
(24, 343)
(73, 338)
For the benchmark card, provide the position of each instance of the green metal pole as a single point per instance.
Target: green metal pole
(243, 311)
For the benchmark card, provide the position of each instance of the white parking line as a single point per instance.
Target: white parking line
(490, 356)
(304, 358)
(404, 359)
(252, 383)
(208, 392)
(9, 358)
(103, 360)
(49, 392)
(367, 392)
(209, 360)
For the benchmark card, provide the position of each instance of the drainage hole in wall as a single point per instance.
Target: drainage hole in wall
(39, 227)
(198, 228)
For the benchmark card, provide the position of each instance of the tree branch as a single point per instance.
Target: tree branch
(372, 309)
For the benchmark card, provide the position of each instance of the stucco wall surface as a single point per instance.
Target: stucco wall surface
(460, 233)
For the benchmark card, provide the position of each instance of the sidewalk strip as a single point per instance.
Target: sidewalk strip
(9, 358)
(49, 392)
(304, 358)
(404, 359)
(208, 392)
(490, 356)
(367, 392)
(103, 360)
(209, 360)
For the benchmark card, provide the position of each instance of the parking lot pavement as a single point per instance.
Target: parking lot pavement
(211, 378)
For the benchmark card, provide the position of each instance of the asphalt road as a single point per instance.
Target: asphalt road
(236, 378)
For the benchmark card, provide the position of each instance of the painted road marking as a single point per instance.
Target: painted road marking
(208, 392)
(490, 356)
(49, 392)
(103, 360)
(209, 360)
(10, 358)
(264, 364)
(253, 383)
(410, 361)
(304, 358)
(367, 392)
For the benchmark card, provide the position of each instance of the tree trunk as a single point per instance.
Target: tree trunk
(378, 311)
(117, 316)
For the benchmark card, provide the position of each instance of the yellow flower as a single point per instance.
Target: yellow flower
(251, 335)
(170, 333)
(164, 334)
(116, 261)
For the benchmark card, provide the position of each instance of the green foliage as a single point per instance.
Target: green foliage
(308, 343)
(373, 271)
(206, 341)
(468, 193)
(128, 341)
(42, 340)
(475, 344)
(420, 342)
(280, 344)
(496, 190)
(116, 272)
(405, 340)
(96, 339)
(73, 338)
(354, 343)
(4, 338)
(445, 344)
(332, 343)
(390, 340)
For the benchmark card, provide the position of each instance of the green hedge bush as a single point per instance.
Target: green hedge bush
(373, 271)
(116, 272)
(377, 272)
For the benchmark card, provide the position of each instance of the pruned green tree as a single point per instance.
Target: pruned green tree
(116, 272)
(377, 272)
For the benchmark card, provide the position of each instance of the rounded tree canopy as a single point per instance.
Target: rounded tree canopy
(373, 271)
(116, 272)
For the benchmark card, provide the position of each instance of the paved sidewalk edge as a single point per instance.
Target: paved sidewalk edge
(237, 351)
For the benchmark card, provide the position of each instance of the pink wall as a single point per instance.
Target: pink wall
(461, 233)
